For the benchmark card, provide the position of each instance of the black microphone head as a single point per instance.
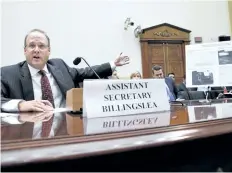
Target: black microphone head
(77, 61)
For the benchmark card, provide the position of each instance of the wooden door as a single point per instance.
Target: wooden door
(164, 44)
(175, 61)
(169, 57)
(157, 54)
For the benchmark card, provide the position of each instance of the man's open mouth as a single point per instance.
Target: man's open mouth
(36, 57)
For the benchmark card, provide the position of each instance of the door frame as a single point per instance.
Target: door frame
(147, 61)
(159, 34)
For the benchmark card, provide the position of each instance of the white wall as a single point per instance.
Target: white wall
(95, 29)
(0, 32)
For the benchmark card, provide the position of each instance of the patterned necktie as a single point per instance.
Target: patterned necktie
(46, 95)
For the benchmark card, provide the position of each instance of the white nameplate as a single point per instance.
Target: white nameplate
(105, 98)
(124, 123)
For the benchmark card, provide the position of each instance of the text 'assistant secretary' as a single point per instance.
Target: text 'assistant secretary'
(40, 83)
(124, 97)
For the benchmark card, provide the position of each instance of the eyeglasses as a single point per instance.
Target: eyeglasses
(40, 46)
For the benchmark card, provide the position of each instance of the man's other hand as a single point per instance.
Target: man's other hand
(122, 60)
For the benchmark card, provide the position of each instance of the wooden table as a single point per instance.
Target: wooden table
(94, 142)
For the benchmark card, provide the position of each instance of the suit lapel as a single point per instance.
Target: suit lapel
(60, 79)
(26, 82)
(168, 84)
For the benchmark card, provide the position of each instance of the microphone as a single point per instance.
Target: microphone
(78, 60)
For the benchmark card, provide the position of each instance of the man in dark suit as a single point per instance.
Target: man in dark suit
(25, 85)
(170, 85)
(182, 85)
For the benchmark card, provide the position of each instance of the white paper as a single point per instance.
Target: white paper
(209, 64)
(209, 112)
(224, 110)
(57, 110)
(202, 113)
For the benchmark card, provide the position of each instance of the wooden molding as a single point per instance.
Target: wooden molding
(165, 31)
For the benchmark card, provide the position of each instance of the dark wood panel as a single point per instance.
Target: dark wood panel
(174, 52)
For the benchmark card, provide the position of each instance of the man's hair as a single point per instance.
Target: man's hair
(156, 68)
(171, 73)
(36, 30)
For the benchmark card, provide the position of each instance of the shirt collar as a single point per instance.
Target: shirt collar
(35, 71)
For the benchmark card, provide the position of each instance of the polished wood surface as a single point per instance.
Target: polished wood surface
(164, 45)
(74, 99)
(194, 119)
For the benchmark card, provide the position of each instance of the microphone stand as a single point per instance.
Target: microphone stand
(207, 95)
(91, 68)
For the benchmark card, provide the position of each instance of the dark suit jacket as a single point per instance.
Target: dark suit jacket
(181, 87)
(171, 85)
(16, 80)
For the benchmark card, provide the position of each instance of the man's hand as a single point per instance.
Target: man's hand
(220, 95)
(35, 105)
(122, 60)
(35, 116)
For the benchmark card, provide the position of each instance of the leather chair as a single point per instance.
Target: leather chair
(193, 95)
(192, 89)
(182, 87)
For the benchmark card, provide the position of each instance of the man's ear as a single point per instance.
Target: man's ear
(49, 51)
(25, 50)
